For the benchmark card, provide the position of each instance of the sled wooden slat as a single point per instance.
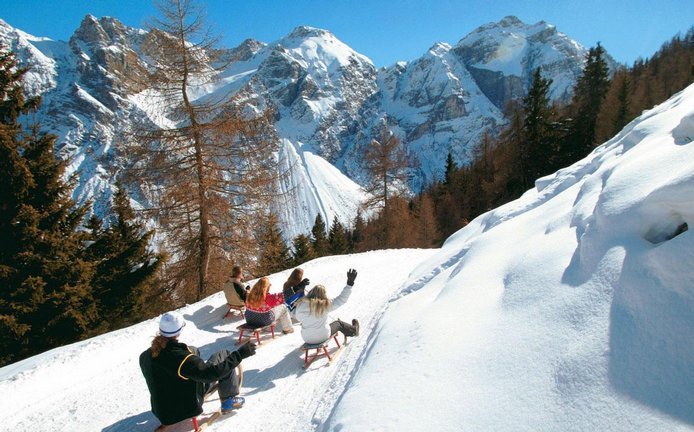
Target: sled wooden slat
(322, 349)
(255, 331)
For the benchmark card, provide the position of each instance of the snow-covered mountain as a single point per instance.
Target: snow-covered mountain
(329, 101)
(503, 56)
(445, 100)
(569, 309)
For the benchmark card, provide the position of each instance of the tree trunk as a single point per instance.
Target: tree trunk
(203, 212)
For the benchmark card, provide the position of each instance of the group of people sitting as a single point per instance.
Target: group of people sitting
(178, 379)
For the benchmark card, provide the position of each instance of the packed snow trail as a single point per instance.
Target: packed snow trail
(96, 385)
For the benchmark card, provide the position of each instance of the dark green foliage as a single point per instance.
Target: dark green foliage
(274, 254)
(622, 112)
(319, 242)
(337, 238)
(538, 152)
(451, 167)
(589, 93)
(356, 236)
(58, 283)
(125, 267)
(45, 297)
(302, 250)
(512, 146)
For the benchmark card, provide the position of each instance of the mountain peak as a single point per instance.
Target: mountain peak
(91, 31)
(510, 21)
(303, 32)
(314, 43)
(245, 50)
(440, 48)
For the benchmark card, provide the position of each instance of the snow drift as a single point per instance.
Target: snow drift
(569, 309)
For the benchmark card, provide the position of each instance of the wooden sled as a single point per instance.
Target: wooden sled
(322, 349)
(254, 331)
(235, 310)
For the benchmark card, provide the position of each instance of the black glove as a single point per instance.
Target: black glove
(351, 276)
(302, 285)
(246, 350)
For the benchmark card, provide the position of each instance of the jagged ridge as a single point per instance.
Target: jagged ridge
(330, 100)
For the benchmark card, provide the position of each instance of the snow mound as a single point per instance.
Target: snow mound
(569, 309)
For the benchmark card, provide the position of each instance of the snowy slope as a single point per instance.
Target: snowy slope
(313, 187)
(570, 309)
(97, 384)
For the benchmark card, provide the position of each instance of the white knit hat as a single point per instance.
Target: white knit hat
(171, 324)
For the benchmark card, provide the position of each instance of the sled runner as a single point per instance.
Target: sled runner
(255, 331)
(199, 424)
(234, 309)
(322, 349)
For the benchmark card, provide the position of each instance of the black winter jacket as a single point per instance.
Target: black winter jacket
(175, 380)
(240, 290)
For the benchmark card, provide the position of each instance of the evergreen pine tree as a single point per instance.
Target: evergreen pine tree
(513, 143)
(125, 268)
(537, 133)
(301, 250)
(337, 238)
(274, 255)
(319, 242)
(45, 295)
(357, 234)
(589, 93)
(451, 168)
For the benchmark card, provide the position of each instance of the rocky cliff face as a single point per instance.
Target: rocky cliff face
(437, 108)
(316, 84)
(328, 100)
(502, 57)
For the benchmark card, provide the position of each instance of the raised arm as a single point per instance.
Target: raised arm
(346, 291)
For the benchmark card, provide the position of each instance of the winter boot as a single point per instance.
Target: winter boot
(232, 403)
(355, 323)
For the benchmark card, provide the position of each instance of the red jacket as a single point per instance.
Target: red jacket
(262, 315)
(271, 300)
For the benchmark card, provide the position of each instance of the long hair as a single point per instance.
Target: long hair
(318, 302)
(256, 297)
(294, 278)
(158, 345)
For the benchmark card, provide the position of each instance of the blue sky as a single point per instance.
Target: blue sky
(387, 31)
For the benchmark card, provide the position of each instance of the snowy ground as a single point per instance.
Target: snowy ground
(569, 309)
(96, 385)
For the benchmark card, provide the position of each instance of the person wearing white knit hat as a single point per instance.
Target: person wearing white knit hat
(178, 379)
(171, 324)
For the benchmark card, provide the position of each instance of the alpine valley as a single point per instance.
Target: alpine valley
(329, 100)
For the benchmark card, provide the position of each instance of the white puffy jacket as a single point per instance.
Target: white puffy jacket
(317, 329)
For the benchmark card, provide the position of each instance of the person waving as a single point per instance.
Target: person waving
(313, 313)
